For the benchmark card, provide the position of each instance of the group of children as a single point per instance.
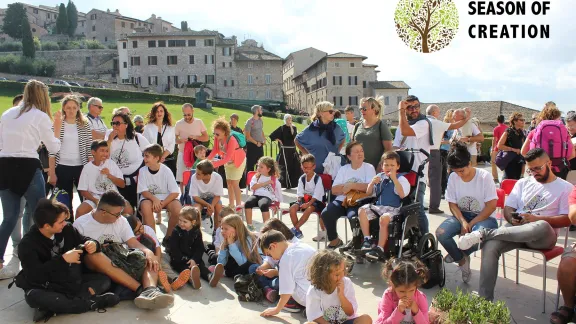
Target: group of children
(292, 275)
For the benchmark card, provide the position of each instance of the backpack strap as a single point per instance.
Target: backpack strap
(355, 130)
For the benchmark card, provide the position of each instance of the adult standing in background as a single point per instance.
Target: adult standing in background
(322, 136)
(344, 126)
(94, 120)
(350, 119)
(255, 138)
(533, 122)
(497, 133)
(22, 129)
(372, 132)
(159, 130)
(288, 157)
(444, 148)
(187, 129)
(138, 124)
(234, 123)
(511, 142)
(469, 134)
(76, 137)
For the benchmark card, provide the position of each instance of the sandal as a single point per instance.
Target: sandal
(564, 315)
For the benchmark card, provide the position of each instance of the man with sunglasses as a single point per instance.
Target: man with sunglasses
(106, 224)
(187, 129)
(96, 123)
(535, 209)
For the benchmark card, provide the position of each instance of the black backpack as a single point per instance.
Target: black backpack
(436, 272)
(247, 288)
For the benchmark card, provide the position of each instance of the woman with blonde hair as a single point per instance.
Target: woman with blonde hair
(76, 136)
(22, 130)
(233, 159)
(372, 132)
(322, 136)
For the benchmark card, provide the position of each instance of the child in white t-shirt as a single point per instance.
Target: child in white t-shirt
(310, 195)
(331, 298)
(266, 188)
(97, 177)
(206, 188)
(293, 263)
(158, 189)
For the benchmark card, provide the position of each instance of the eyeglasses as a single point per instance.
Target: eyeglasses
(535, 169)
(331, 112)
(413, 107)
(100, 107)
(116, 123)
(115, 215)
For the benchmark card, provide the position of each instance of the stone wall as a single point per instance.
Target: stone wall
(80, 62)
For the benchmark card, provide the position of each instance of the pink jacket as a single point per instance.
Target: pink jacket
(388, 309)
(231, 152)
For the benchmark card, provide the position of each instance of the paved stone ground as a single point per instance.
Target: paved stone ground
(220, 305)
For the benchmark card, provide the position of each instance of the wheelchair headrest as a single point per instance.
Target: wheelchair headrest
(406, 161)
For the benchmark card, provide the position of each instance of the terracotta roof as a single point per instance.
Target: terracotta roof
(251, 53)
(389, 85)
(346, 55)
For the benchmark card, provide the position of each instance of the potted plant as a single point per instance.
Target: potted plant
(461, 308)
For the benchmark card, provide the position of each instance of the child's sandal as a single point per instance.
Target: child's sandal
(195, 277)
(163, 278)
(181, 280)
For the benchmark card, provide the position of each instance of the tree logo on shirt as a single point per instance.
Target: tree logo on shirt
(469, 204)
(122, 158)
(335, 314)
(426, 25)
(103, 183)
(154, 189)
(536, 202)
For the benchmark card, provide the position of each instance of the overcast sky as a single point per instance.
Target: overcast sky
(527, 72)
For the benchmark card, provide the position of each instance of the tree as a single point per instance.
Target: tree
(184, 25)
(13, 18)
(426, 25)
(72, 15)
(62, 20)
(28, 49)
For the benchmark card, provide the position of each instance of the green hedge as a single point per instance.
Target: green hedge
(26, 66)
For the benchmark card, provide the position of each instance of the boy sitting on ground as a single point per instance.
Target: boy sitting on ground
(389, 188)
(97, 177)
(159, 190)
(292, 274)
(206, 188)
(310, 193)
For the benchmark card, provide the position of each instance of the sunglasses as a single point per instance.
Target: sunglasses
(99, 107)
(116, 123)
(363, 109)
(331, 112)
(414, 107)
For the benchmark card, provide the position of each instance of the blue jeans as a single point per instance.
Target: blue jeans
(422, 218)
(332, 213)
(452, 227)
(263, 280)
(11, 209)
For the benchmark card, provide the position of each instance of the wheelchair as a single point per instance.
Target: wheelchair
(404, 237)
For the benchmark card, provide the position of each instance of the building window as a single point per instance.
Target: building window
(135, 61)
(176, 83)
(176, 43)
(340, 101)
(229, 94)
(191, 59)
(336, 64)
(35, 11)
(145, 25)
(387, 101)
(229, 64)
(267, 64)
(125, 65)
(353, 100)
(132, 26)
(334, 100)
(88, 61)
(268, 94)
(337, 80)
(352, 64)
(250, 79)
(92, 16)
(192, 78)
(191, 42)
(124, 45)
(125, 80)
(93, 28)
(152, 43)
(250, 65)
(352, 80)
(224, 65)
(210, 79)
(208, 42)
(231, 83)
(139, 24)
(47, 16)
(106, 38)
(152, 60)
(251, 94)
(208, 59)
(364, 84)
(134, 44)
(152, 80)
(123, 24)
(268, 78)
(399, 98)
(161, 43)
(172, 60)
(225, 83)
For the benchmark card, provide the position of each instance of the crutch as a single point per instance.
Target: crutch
(288, 182)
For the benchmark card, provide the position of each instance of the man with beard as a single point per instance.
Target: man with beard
(187, 129)
(535, 209)
(415, 132)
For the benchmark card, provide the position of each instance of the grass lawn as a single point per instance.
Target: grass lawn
(143, 107)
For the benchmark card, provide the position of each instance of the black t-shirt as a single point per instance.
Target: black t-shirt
(573, 161)
(515, 138)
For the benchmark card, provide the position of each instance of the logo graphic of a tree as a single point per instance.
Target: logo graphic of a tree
(426, 25)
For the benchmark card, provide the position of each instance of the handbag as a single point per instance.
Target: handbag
(504, 158)
(353, 197)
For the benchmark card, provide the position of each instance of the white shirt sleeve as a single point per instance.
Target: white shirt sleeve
(142, 185)
(405, 185)
(421, 128)
(125, 230)
(370, 172)
(475, 130)
(218, 185)
(150, 134)
(193, 187)
(114, 169)
(349, 293)
(563, 201)
(83, 182)
(278, 192)
(489, 189)
(300, 190)
(340, 176)
(169, 139)
(313, 304)
(451, 189)
(47, 135)
(143, 142)
(170, 181)
(319, 190)
(202, 127)
(287, 284)
(397, 138)
(150, 232)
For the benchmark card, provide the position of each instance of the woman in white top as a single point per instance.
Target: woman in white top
(159, 130)
(126, 147)
(76, 136)
(22, 129)
(354, 176)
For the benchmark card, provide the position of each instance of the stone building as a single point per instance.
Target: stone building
(294, 65)
(392, 92)
(340, 78)
(173, 61)
(109, 26)
(160, 25)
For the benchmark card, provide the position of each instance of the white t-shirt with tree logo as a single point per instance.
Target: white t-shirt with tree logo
(96, 183)
(160, 184)
(127, 154)
(471, 196)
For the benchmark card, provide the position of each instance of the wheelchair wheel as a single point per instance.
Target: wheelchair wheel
(427, 243)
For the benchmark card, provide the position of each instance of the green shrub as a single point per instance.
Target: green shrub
(45, 68)
(112, 46)
(50, 46)
(6, 61)
(464, 308)
(23, 66)
(94, 44)
(11, 47)
(76, 45)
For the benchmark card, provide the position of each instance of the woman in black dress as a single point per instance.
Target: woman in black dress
(288, 158)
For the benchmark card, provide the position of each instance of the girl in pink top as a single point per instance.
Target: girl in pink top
(233, 159)
(402, 302)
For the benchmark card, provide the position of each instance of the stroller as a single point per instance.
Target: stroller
(404, 237)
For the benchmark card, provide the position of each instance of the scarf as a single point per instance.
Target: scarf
(330, 127)
(422, 117)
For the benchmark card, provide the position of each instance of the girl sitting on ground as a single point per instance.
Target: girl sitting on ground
(239, 250)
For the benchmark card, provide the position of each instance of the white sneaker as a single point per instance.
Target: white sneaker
(469, 240)
(8, 272)
(465, 268)
(320, 237)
